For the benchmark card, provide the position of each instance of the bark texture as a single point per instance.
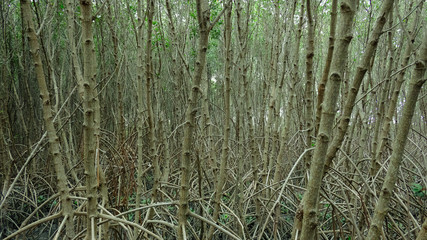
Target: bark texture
(91, 120)
(355, 86)
(308, 209)
(325, 74)
(225, 145)
(54, 145)
(203, 18)
(417, 81)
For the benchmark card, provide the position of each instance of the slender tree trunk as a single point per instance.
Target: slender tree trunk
(5, 128)
(6, 161)
(357, 81)
(308, 209)
(309, 85)
(225, 145)
(242, 63)
(325, 74)
(90, 124)
(166, 169)
(140, 113)
(116, 73)
(30, 101)
(163, 124)
(54, 146)
(203, 17)
(73, 48)
(385, 93)
(269, 129)
(149, 91)
(283, 155)
(417, 81)
(75, 63)
(385, 130)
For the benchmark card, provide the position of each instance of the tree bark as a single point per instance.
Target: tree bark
(203, 17)
(308, 98)
(325, 74)
(308, 208)
(140, 112)
(422, 235)
(150, 117)
(385, 130)
(90, 122)
(54, 145)
(417, 81)
(355, 86)
(225, 145)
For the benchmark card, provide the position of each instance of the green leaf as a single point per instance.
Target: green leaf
(41, 199)
(418, 189)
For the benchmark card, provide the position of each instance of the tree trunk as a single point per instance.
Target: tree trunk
(90, 122)
(140, 113)
(325, 74)
(149, 91)
(203, 17)
(385, 130)
(225, 145)
(355, 85)
(417, 81)
(308, 98)
(54, 146)
(308, 208)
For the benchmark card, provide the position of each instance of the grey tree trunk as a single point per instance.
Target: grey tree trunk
(203, 17)
(148, 95)
(225, 145)
(357, 81)
(325, 74)
(309, 85)
(417, 81)
(385, 130)
(307, 210)
(140, 112)
(91, 118)
(54, 145)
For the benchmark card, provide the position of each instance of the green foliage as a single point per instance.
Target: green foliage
(250, 219)
(283, 208)
(131, 216)
(158, 36)
(193, 15)
(216, 8)
(41, 199)
(418, 190)
(146, 201)
(132, 9)
(53, 203)
(216, 31)
(226, 198)
(224, 218)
